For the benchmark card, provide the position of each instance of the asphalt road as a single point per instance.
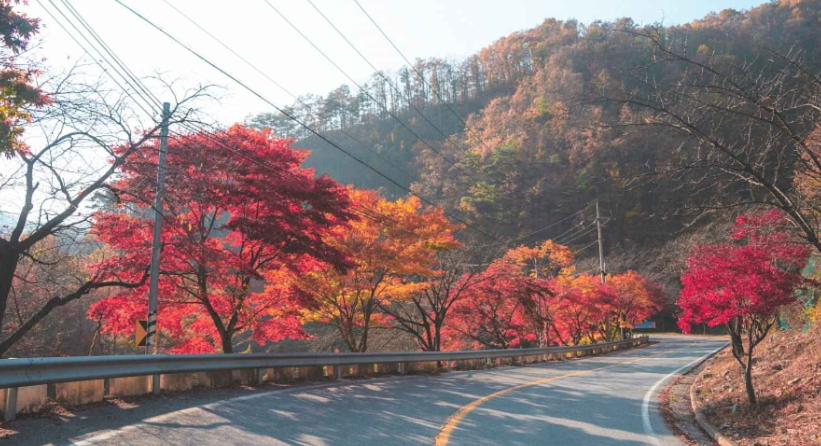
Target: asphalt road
(605, 400)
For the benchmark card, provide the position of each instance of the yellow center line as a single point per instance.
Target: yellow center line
(443, 438)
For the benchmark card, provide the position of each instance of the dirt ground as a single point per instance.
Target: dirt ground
(787, 378)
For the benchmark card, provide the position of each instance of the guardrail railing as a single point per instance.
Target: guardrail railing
(15, 373)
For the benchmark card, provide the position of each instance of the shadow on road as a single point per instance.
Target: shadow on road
(601, 407)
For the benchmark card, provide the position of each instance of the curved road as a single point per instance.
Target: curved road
(605, 400)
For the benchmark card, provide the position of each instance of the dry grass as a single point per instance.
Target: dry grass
(787, 378)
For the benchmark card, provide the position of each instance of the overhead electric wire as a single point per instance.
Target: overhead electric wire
(551, 225)
(566, 235)
(281, 173)
(587, 271)
(413, 67)
(111, 53)
(577, 237)
(381, 75)
(285, 90)
(365, 90)
(586, 247)
(556, 223)
(296, 119)
(140, 87)
(126, 91)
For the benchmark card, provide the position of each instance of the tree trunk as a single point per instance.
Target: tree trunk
(227, 342)
(8, 266)
(345, 330)
(363, 340)
(748, 382)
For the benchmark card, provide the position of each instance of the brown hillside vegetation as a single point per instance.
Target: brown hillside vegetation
(788, 382)
(529, 129)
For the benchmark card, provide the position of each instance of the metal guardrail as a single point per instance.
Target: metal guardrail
(32, 371)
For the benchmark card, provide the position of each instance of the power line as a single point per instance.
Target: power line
(587, 271)
(281, 173)
(555, 239)
(421, 77)
(111, 53)
(210, 135)
(126, 91)
(385, 78)
(295, 119)
(570, 232)
(596, 242)
(577, 237)
(285, 90)
(551, 225)
(139, 87)
(365, 90)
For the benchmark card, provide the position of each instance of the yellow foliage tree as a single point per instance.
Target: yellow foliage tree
(391, 243)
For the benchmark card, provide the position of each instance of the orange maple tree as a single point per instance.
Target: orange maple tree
(391, 243)
(545, 261)
(636, 298)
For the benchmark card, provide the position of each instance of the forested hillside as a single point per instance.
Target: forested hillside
(516, 156)
(544, 135)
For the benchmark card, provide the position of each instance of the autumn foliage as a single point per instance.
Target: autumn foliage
(531, 297)
(254, 247)
(742, 283)
(17, 89)
(392, 247)
(238, 210)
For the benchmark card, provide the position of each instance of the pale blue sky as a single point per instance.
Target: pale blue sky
(421, 28)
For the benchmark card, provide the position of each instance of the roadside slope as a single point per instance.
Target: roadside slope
(787, 377)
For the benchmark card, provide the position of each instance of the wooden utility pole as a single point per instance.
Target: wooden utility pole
(542, 337)
(151, 338)
(602, 270)
(601, 245)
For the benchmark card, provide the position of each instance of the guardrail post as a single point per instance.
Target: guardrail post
(401, 368)
(338, 371)
(260, 376)
(10, 406)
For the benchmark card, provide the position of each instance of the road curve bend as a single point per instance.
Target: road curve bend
(604, 400)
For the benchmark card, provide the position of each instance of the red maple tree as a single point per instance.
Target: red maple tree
(580, 306)
(497, 310)
(741, 284)
(238, 209)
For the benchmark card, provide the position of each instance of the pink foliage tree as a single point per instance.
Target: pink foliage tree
(742, 283)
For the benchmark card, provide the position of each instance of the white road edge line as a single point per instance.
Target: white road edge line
(645, 405)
